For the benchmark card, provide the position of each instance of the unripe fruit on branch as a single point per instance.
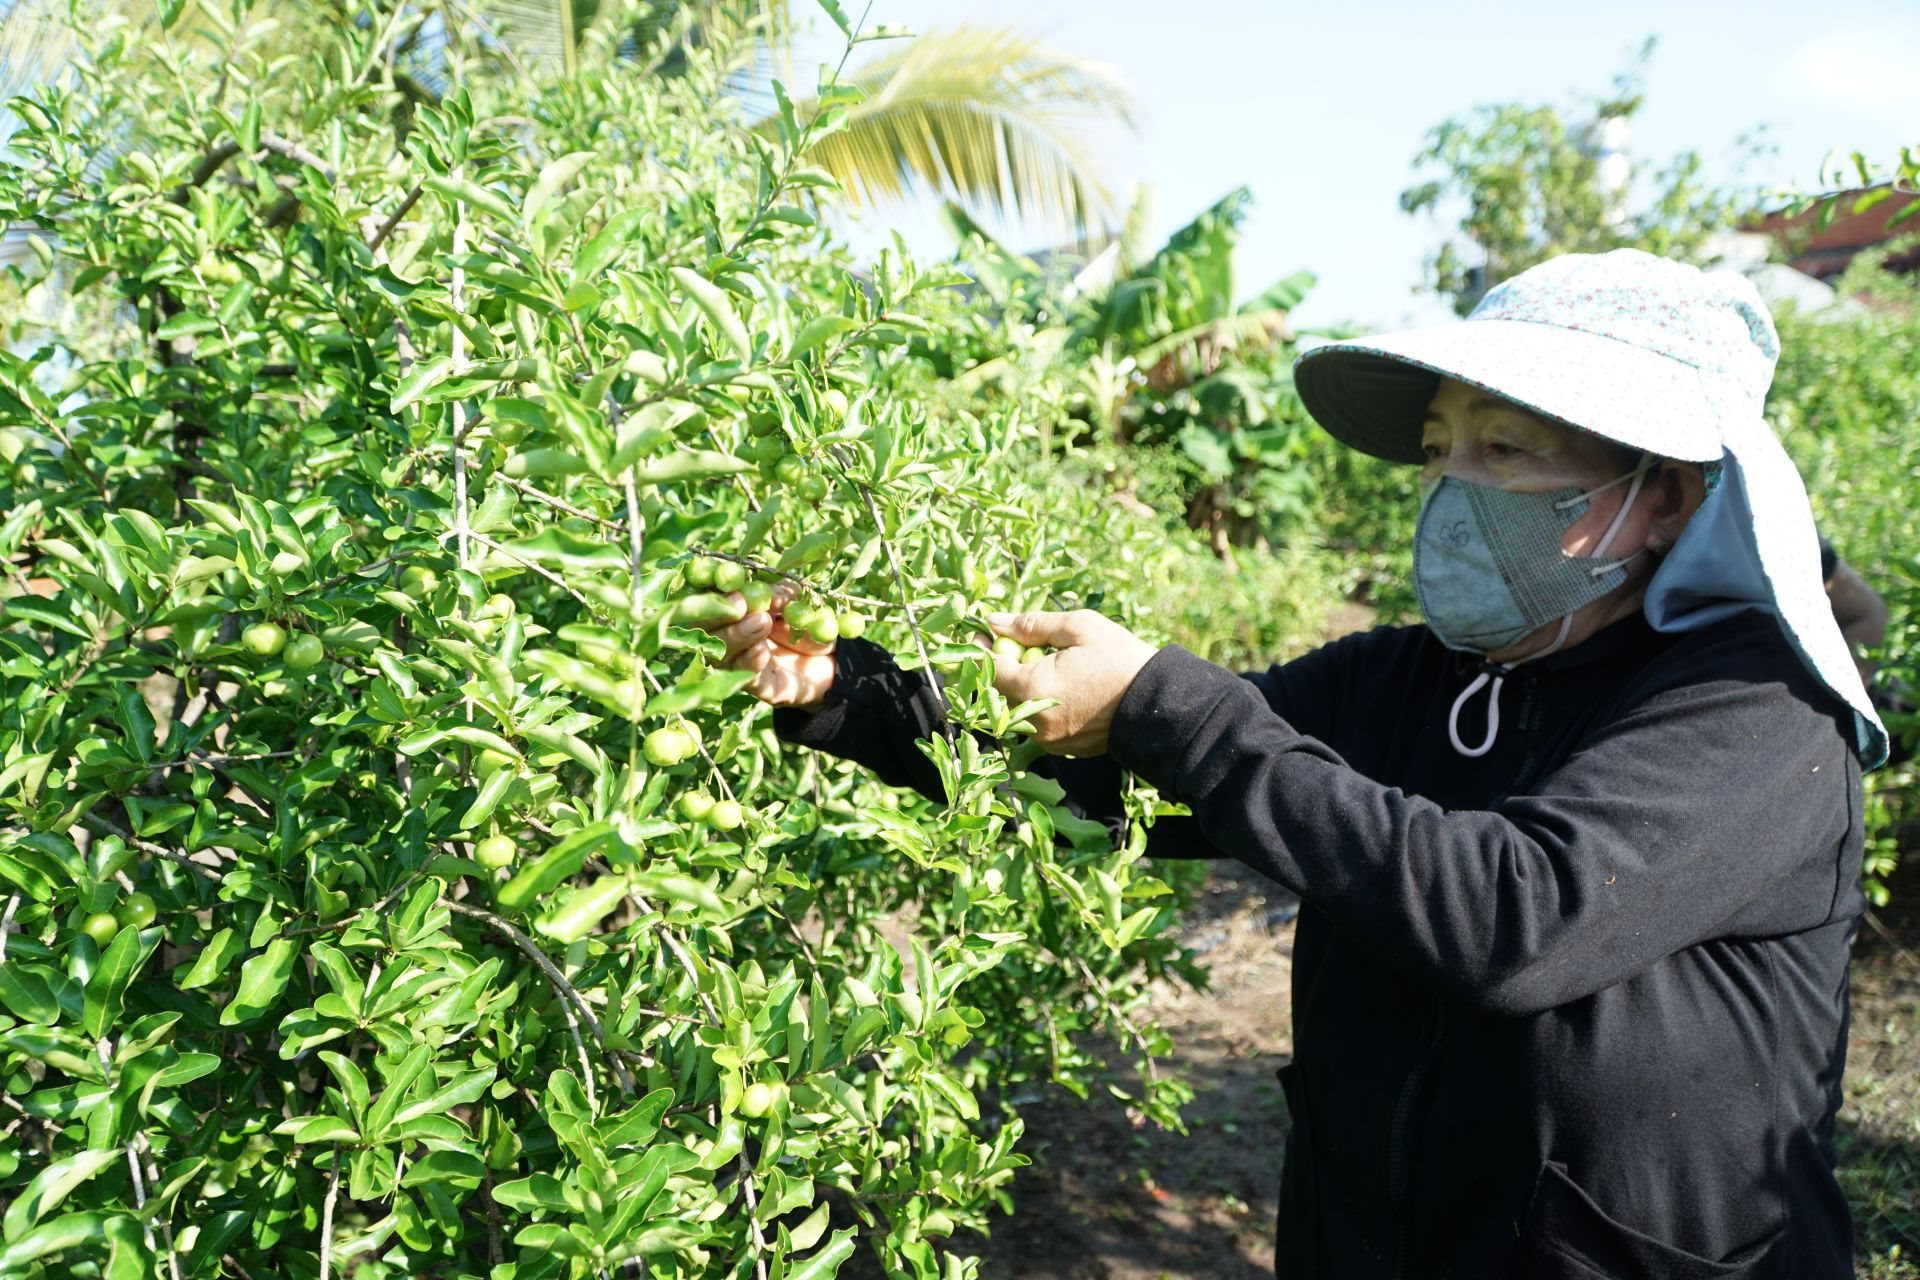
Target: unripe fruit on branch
(852, 625)
(759, 1098)
(699, 572)
(417, 580)
(758, 595)
(304, 652)
(695, 805)
(728, 576)
(100, 927)
(136, 911)
(496, 852)
(665, 748)
(264, 639)
(726, 815)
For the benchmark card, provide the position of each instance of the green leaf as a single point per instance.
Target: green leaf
(454, 189)
(818, 330)
(107, 986)
(581, 910)
(556, 546)
(263, 979)
(554, 176)
(689, 464)
(57, 1236)
(492, 792)
(214, 960)
(25, 994)
(559, 863)
(52, 1185)
(838, 15)
(717, 307)
(825, 1264)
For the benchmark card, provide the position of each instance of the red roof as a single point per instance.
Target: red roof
(1824, 252)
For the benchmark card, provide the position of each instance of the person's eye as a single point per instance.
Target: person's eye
(1432, 451)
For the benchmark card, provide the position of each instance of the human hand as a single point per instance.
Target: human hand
(790, 670)
(1094, 660)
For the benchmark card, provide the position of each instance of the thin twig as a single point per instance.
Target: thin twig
(386, 228)
(570, 998)
(326, 1217)
(900, 585)
(6, 924)
(541, 495)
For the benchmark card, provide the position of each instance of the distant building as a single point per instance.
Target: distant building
(1825, 252)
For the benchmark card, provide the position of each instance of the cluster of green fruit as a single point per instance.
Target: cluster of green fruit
(714, 581)
(269, 640)
(1007, 649)
(135, 911)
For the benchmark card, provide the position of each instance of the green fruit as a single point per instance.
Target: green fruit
(417, 580)
(304, 652)
(824, 627)
(492, 761)
(852, 625)
(800, 614)
(812, 488)
(100, 927)
(699, 573)
(496, 852)
(835, 401)
(497, 606)
(1007, 649)
(728, 576)
(762, 422)
(758, 595)
(695, 805)
(264, 639)
(1031, 654)
(769, 449)
(726, 815)
(665, 748)
(791, 469)
(136, 911)
(759, 1098)
(509, 432)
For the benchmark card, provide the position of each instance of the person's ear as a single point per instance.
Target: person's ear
(1673, 493)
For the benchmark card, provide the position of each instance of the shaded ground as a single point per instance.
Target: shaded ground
(1107, 1199)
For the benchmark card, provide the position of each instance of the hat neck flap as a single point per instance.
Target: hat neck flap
(1752, 545)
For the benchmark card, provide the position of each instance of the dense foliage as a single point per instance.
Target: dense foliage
(1845, 399)
(395, 887)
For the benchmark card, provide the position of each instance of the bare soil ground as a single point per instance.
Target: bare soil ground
(1111, 1199)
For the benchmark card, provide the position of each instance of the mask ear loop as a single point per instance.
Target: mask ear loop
(1633, 480)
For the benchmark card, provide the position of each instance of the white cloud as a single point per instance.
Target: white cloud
(1868, 68)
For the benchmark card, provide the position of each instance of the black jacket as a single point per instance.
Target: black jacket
(1576, 1008)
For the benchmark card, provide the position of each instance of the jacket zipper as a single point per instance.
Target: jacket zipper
(1397, 1143)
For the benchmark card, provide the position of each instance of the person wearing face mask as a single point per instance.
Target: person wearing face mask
(1577, 857)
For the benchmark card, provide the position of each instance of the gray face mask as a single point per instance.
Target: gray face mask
(1487, 564)
(1489, 571)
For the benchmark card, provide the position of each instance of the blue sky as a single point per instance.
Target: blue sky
(1319, 108)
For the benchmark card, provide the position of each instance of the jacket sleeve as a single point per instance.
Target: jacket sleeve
(1718, 808)
(876, 715)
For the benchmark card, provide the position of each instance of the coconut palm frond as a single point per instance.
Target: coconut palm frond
(36, 41)
(987, 117)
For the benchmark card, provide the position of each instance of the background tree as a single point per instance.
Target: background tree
(1528, 182)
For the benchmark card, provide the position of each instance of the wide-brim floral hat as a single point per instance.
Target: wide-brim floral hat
(1655, 355)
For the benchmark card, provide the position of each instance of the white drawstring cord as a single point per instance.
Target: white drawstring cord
(1488, 678)
(1493, 714)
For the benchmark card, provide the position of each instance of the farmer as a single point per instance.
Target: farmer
(1577, 857)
